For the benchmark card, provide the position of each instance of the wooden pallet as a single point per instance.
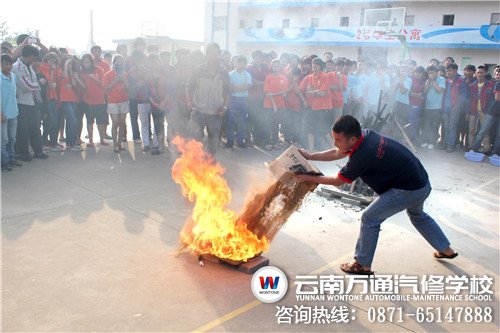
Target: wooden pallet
(249, 267)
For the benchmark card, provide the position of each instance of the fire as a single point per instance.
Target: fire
(213, 229)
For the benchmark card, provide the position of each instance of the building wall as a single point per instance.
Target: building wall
(466, 13)
(225, 37)
(426, 14)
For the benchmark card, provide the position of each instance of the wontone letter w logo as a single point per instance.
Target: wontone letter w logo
(264, 284)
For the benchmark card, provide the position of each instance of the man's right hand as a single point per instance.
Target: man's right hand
(304, 153)
(3, 119)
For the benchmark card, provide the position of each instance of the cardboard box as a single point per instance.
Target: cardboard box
(291, 161)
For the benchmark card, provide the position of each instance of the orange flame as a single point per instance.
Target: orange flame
(214, 228)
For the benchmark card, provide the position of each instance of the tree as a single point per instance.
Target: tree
(4, 29)
(7, 36)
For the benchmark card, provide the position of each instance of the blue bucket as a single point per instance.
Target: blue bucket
(495, 160)
(474, 157)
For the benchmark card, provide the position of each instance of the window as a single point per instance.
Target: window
(259, 24)
(495, 18)
(409, 20)
(448, 19)
(314, 22)
(242, 24)
(286, 23)
(220, 23)
(465, 61)
(344, 21)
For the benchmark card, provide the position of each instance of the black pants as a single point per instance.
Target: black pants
(134, 115)
(79, 113)
(28, 130)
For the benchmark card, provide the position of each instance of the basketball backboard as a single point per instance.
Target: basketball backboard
(385, 20)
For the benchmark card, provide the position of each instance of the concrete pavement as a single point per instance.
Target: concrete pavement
(88, 241)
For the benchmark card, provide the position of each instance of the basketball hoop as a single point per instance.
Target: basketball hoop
(384, 21)
(386, 24)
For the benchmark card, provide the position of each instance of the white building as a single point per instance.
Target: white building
(468, 31)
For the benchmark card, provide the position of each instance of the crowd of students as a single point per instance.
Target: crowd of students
(268, 102)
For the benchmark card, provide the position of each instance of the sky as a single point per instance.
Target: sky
(67, 23)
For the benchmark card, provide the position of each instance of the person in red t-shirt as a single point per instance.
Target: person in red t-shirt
(51, 73)
(93, 99)
(67, 85)
(79, 91)
(417, 100)
(258, 70)
(115, 84)
(338, 85)
(275, 87)
(314, 91)
(294, 115)
(98, 61)
(106, 67)
(293, 63)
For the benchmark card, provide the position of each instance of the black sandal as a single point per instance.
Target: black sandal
(441, 255)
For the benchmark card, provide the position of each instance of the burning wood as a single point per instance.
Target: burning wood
(216, 230)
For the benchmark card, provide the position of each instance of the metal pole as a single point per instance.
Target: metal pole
(227, 26)
(212, 27)
(91, 37)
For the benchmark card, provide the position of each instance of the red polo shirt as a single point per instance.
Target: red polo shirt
(117, 94)
(94, 91)
(275, 84)
(337, 95)
(317, 81)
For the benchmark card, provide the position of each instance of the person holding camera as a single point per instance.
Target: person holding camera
(25, 39)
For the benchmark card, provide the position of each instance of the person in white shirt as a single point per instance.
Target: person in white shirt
(28, 95)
